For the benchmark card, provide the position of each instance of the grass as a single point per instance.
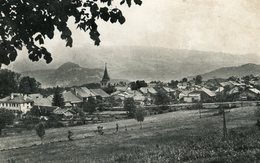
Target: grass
(173, 137)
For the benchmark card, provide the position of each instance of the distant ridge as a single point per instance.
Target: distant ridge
(68, 74)
(143, 63)
(238, 71)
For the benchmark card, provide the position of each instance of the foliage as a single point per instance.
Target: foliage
(197, 106)
(111, 101)
(138, 84)
(6, 118)
(29, 85)
(161, 98)
(130, 107)
(29, 121)
(58, 99)
(139, 115)
(91, 85)
(90, 105)
(54, 121)
(184, 80)
(28, 23)
(109, 89)
(173, 83)
(198, 79)
(40, 130)
(8, 82)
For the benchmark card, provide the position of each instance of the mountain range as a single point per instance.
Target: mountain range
(68, 74)
(129, 62)
(238, 71)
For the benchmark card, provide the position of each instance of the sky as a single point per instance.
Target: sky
(229, 26)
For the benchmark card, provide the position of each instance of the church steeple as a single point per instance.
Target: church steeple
(105, 80)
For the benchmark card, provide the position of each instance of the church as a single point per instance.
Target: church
(106, 79)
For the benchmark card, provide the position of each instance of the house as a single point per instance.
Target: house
(17, 102)
(192, 97)
(71, 100)
(183, 85)
(205, 94)
(39, 100)
(250, 94)
(65, 113)
(139, 97)
(45, 110)
(99, 93)
(182, 94)
(83, 93)
(148, 91)
(219, 90)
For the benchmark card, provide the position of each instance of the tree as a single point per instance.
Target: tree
(40, 130)
(173, 84)
(138, 84)
(139, 115)
(90, 105)
(28, 23)
(184, 80)
(109, 89)
(6, 118)
(130, 107)
(161, 98)
(58, 99)
(8, 82)
(198, 80)
(29, 85)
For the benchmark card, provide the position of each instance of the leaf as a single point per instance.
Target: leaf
(122, 2)
(129, 3)
(138, 2)
(69, 42)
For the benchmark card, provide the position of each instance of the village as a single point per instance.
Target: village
(113, 101)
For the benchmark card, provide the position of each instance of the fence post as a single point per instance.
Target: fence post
(224, 123)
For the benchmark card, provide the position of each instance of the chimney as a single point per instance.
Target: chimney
(24, 97)
(12, 96)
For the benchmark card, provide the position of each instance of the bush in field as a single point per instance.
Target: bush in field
(30, 121)
(40, 130)
(130, 107)
(54, 121)
(139, 116)
(162, 99)
(6, 118)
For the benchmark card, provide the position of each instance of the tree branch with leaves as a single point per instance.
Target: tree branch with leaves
(28, 23)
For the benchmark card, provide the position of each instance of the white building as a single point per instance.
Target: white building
(17, 102)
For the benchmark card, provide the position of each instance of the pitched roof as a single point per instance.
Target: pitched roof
(83, 92)
(70, 97)
(17, 98)
(254, 90)
(99, 92)
(168, 89)
(39, 100)
(146, 90)
(208, 92)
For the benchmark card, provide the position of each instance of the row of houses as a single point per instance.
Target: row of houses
(209, 92)
(74, 98)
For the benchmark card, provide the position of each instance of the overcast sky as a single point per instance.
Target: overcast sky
(230, 26)
(210, 25)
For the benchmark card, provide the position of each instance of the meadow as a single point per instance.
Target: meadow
(180, 136)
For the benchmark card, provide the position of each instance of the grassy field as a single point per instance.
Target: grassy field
(172, 137)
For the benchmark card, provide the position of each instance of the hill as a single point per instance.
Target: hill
(148, 63)
(68, 74)
(238, 71)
